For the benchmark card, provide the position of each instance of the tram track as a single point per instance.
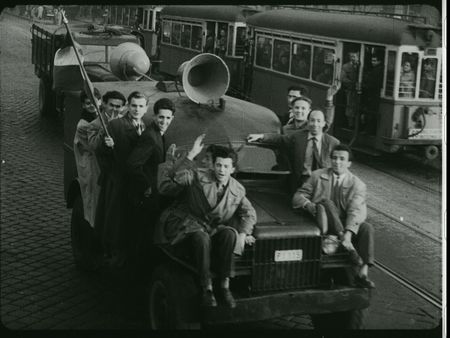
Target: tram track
(430, 297)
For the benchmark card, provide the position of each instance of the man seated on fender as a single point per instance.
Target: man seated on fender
(211, 219)
(337, 199)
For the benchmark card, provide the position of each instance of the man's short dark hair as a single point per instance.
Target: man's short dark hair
(300, 89)
(137, 95)
(84, 96)
(163, 103)
(316, 109)
(302, 98)
(224, 152)
(343, 147)
(115, 95)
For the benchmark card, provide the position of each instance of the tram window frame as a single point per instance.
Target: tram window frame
(281, 54)
(390, 74)
(166, 39)
(322, 65)
(407, 88)
(146, 14)
(422, 79)
(173, 33)
(192, 46)
(185, 43)
(230, 41)
(267, 41)
(239, 49)
(300, 46)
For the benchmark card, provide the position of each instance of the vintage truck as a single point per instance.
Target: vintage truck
(97, 44)
(286, 271)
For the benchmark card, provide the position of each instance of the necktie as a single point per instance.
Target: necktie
(220, 192)
(139, 128)
(316, 158)
(335, 196)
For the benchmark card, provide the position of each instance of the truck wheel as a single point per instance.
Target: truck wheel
(85, 248)
(350, 320)
(46, 98)
(167, 300)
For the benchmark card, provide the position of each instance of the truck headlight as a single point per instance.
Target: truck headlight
(330, 244)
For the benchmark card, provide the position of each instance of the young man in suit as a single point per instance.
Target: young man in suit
(212, 219)
(309, 149)
(342, 196)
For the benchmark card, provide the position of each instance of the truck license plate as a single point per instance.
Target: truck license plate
(288, 255)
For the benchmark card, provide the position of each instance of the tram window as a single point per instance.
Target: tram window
(176, 32)
(150, 20)
(146, 19)
(301, 60)
(263, 52)
(281, 55)
(196, 41)
(186, 36)
(221, 44)
(323, 67)
(407, 87)
(240, 41)
(428, 78)
(230, 40)
(166, 32)
(390, 75)
(440, 86)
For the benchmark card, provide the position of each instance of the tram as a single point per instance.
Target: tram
(311, 48)
(191, 30)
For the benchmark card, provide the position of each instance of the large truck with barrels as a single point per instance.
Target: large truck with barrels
(286, 272)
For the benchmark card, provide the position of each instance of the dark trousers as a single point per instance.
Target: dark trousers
(363, 241)
(210, 252)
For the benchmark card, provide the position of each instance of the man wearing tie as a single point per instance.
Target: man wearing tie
(342, 196)
(308, 149)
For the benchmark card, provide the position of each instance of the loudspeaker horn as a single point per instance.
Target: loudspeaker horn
(129, 62)
(205, 78)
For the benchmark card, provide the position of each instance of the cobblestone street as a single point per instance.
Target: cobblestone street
(40, 286)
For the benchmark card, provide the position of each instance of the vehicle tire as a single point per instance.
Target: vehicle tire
(431, 152)
(348, 320)
(85, 247)
(46, 98)
(170, 299)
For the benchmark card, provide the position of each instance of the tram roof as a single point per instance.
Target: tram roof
(357, 27)
(215, 13)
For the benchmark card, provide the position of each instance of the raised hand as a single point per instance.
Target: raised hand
(197, 147)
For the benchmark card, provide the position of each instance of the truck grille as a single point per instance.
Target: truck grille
(271, 275)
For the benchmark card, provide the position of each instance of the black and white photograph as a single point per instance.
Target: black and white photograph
(223, 168)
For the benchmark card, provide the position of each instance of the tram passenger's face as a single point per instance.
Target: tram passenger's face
(375, 62)
(340, 161)
(406, 67)
(301, 110)
(223, 168)
(207, 161)
(292, 95)
(164, 119)
(316, 122)
(353, 58)
(113, 107)
(137, 107)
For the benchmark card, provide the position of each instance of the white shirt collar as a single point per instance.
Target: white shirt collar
(318, 137)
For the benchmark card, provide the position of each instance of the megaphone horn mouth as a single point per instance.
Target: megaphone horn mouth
(205, 78)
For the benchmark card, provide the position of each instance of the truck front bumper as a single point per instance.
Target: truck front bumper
(274, 305)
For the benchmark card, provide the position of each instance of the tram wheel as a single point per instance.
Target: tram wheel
(350, 320)
(83, 241)
(431, 152)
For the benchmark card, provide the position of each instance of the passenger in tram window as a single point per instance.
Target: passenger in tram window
(137, 23)
(300, 66)
(264, 55)
(336, 198)
(211, 221)
(349, 79)
(301, 106)
(371, 91)
(281, 63)
(221, 46)
(326, 75)
(87, 166)
(428, 78)
(142, 171)
(114, 203)
(309, 148)
(209, 44)
(112, 105)
(407, 80)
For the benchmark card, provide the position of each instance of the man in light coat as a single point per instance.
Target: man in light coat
(212, 219)
(343, 197)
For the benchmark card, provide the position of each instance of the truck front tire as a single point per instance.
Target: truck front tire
(347, 320)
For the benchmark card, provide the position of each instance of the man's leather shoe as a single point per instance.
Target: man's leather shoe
(228, 298)
(364, 282)
(208, 299)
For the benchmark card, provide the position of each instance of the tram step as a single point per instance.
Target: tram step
(367, 150)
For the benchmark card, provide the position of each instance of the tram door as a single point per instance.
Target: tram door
(347, 100)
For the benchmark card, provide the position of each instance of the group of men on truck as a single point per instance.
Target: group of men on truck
(134, 192)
